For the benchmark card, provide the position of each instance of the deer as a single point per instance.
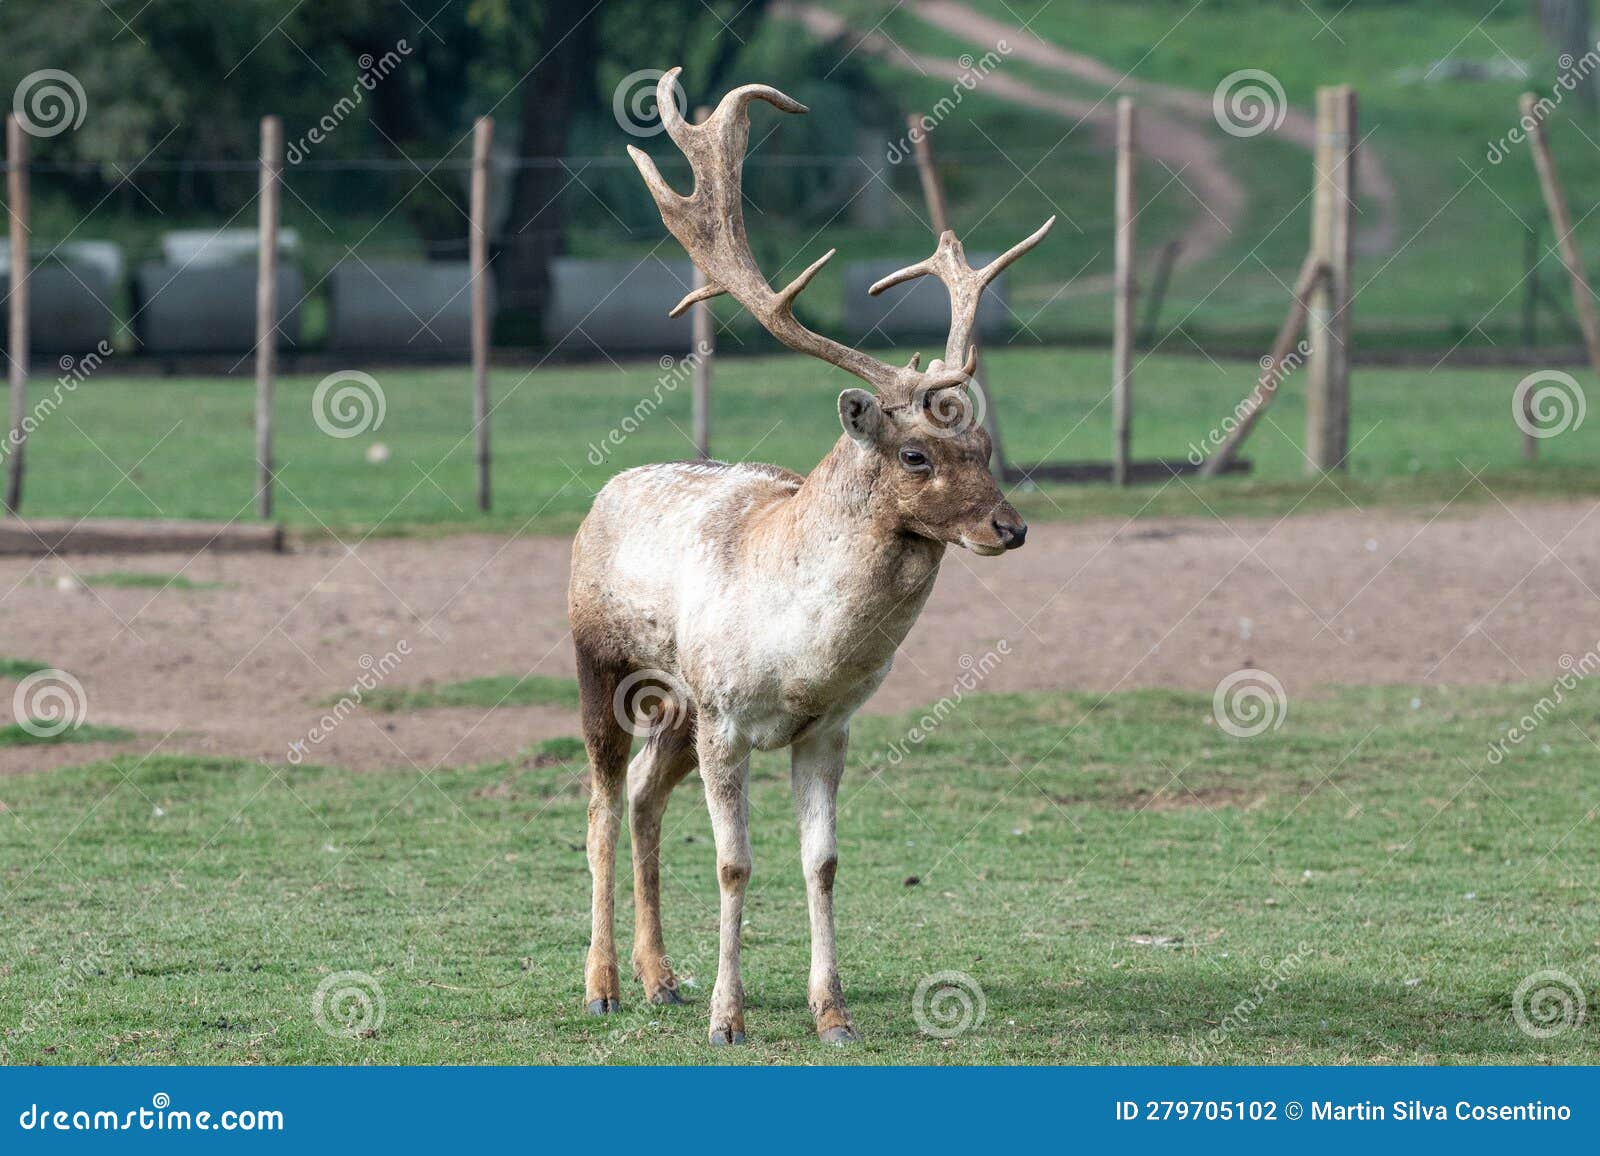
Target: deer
(718, 609)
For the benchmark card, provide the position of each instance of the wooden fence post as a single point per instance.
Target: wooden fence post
(933, 193)
(1123, 299)
(267, 305)
(704, 340)
(932, 189)
(17, 206)
(1273, 369)
(1556, 202)
(478, 246)
(1157, 293)
(1333, 220)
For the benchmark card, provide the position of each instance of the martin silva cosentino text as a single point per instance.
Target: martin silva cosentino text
(1415, 1110)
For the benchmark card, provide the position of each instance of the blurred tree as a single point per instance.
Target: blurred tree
(1567, 26)
(189, 79)
(559, 63)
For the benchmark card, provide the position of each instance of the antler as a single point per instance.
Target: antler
(965, 284)
(709, 224)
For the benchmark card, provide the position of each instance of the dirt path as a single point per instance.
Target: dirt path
(1473, 596)
(1177, 126)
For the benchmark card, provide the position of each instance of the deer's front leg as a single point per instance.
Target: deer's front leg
(817, 764)
(725, 770)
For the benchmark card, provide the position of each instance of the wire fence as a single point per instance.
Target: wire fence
(375, 248)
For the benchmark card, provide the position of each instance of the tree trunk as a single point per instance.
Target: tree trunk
(1567, 26)
(534, 228)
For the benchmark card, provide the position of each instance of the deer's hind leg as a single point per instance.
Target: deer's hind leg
(608, 742)
(667, 757)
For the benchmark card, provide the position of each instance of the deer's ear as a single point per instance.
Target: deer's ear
(861, 416)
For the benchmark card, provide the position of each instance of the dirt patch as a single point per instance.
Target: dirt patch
(1485, 594)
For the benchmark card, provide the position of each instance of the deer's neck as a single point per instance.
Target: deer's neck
(842, 522)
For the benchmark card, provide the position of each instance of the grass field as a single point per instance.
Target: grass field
(1123, 882)
(182, 447)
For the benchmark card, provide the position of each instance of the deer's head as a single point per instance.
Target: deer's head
(929, 453)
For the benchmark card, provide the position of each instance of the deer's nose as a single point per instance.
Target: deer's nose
(1013, 533)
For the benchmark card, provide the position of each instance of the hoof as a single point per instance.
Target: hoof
(600, 1007)
(667, 997)
(721, 1036)
(844, 1034)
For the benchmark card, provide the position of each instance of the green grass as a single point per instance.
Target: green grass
(186, 442)
(20, 667)
(185, 910)
(497, 690)
(16, 735)
(138, 580)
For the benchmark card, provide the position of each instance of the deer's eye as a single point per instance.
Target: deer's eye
(913, 459)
